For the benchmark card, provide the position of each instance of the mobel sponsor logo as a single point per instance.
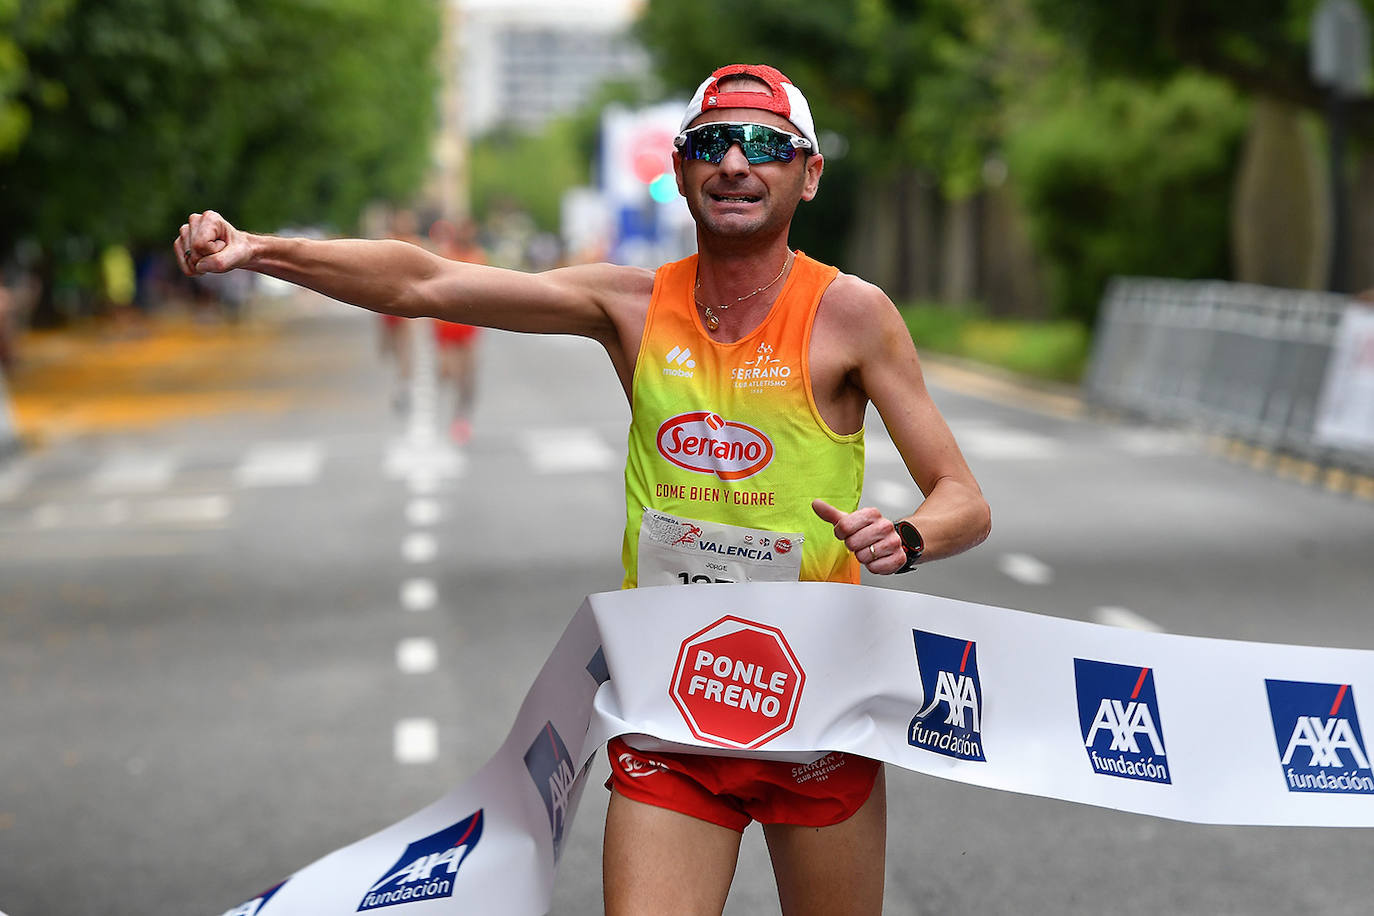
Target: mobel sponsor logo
(706, 443)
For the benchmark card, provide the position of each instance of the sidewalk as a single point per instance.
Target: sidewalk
(92, 379)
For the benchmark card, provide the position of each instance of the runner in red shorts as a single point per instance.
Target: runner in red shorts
(749, 332)
(458, 342)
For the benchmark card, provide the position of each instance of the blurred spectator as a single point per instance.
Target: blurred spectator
(458, 342)
(394, 341)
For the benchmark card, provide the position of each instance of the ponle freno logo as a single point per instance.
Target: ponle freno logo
(737, 683)
(707, 443)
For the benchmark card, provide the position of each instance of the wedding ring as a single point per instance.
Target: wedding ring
(873, 551)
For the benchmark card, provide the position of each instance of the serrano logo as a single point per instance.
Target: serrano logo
(254, 906)
(951, 721)
(551, 768)
(737, 683)
(426, 870)
(1320, 745)
(704, 442)
(1118, 702)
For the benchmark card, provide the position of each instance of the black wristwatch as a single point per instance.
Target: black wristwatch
(912, 543)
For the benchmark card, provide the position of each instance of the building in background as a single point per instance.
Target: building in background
(525, 61)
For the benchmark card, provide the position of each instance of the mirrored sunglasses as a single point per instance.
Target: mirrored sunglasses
(759, 142)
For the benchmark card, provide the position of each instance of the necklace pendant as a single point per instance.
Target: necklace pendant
(712, 322)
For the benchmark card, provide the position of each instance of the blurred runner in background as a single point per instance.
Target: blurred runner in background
(458, 342)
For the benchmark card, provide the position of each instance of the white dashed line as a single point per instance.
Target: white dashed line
(415, 741)
(277, 464)
(417, 655)
(419, 594)
(1126, 618)
(423, 484)
(419, 548)
(423, 511)
(1025, 569)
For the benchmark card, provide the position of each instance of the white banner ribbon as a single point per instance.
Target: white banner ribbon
(1201, 730)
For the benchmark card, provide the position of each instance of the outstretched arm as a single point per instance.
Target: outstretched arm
(402, 279)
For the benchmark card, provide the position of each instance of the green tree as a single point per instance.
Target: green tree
(1126, 179)
(273, 111)
(1260, 47)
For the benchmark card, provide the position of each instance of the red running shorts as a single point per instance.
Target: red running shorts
(732, 791)
(449, 332)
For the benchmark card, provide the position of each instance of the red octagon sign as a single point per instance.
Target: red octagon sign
(737, 683)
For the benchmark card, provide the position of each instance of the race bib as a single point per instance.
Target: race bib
(684, 551)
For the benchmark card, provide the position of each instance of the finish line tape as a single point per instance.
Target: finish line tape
(1202, 730)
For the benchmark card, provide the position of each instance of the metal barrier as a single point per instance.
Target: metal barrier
(1231, 358)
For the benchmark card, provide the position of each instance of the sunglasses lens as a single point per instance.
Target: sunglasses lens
(760, 143)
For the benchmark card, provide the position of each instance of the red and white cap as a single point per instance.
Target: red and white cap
(782, 98)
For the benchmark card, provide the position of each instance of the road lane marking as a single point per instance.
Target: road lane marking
(567, 451)
(184, 510)
(1025, 569)
(417, 655)
(1125, 618)
(179, 511)
(881, 450)
(279, 464)
(133, 472)
(419, 594)
(419, 547)
(423, 511)
(1005, 443)
(415, 741)
(889, 494)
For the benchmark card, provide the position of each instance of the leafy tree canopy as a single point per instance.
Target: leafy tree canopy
(274, 111)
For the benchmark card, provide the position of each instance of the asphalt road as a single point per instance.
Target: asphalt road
(232, 644)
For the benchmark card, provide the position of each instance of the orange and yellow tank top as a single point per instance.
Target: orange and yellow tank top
(726, 446)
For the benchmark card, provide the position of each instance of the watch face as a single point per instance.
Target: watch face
(911, 538)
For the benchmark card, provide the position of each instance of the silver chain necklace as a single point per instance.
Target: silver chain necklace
(713, 322)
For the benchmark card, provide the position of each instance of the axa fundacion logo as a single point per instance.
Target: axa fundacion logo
(737, 683)
(950, 721)
(551, 768)
(707, 443)
(1118, 716)
(428, 867)
(1320, 745)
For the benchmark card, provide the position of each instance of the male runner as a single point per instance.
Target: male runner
(782, 348)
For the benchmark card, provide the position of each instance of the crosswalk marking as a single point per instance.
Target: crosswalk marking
(567, 451)
(133, 472)
(1002, 443)
(173, 511)
(275, 464)
(891, 495)
(1025, 569)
